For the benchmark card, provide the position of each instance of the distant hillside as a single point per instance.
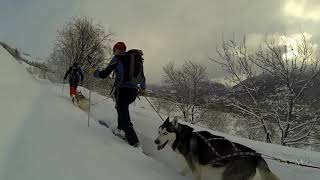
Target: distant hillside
(268, 84)
(25, 57)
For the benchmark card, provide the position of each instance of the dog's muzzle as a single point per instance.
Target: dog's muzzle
(157, 142)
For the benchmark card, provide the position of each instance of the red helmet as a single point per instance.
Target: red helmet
(121, 46)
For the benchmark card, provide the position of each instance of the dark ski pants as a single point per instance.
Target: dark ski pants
(124, 97)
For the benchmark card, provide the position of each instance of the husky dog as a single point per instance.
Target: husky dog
(82, 101)
(205, 152)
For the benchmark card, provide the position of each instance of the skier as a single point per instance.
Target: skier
(75, 75)
(129, 83)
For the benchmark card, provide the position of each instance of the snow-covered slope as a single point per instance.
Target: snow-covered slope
(16, 95)
(32, 59)
(146, 122)
(44, 136)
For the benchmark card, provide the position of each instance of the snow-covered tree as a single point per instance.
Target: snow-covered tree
(163, 106)
(80, 40)
(272, 85)
(188, 87)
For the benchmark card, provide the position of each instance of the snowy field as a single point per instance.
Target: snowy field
(43, 136)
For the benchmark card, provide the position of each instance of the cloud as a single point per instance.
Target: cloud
(303, 9)
(31, 24)
(166, 30)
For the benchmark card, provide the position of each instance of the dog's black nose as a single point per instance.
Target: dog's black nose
(157, 141)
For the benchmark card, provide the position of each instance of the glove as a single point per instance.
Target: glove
(92, 70)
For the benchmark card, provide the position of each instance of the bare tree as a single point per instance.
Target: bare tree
(188, 87)
(79, 40)
(271, 85)
(58, 63)
(163, 106)
(215, 120)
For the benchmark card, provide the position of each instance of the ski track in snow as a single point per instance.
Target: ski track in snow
(44, 136)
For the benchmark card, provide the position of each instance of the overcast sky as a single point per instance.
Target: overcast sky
(166, 30)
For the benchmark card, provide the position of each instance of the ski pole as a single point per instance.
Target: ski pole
(62, 88)
(90, 87)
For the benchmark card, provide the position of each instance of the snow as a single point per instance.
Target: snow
(31, 59)
(146, 122)
(44, 136)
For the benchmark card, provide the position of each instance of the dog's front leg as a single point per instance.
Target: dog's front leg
(184, 171)
(196, 170)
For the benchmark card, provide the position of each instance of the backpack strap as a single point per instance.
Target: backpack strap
(131, 68)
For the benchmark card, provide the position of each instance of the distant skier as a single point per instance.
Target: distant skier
(75, 75)
(129, 83)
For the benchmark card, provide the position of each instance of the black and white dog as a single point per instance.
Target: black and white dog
(206, 153)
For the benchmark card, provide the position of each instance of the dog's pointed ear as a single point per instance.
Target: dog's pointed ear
(175, 122)
(167, 120)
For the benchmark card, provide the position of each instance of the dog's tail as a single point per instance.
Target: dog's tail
(264, 170)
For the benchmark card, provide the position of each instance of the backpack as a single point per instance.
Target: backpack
(132, 62)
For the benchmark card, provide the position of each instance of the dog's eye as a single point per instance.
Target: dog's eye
(165, 133)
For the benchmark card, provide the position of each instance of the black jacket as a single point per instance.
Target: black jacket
(75, 74)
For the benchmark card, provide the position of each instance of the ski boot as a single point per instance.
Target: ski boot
(119, 133)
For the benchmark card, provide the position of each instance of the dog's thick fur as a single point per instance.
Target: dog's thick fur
(82, 101)
(216, 155)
